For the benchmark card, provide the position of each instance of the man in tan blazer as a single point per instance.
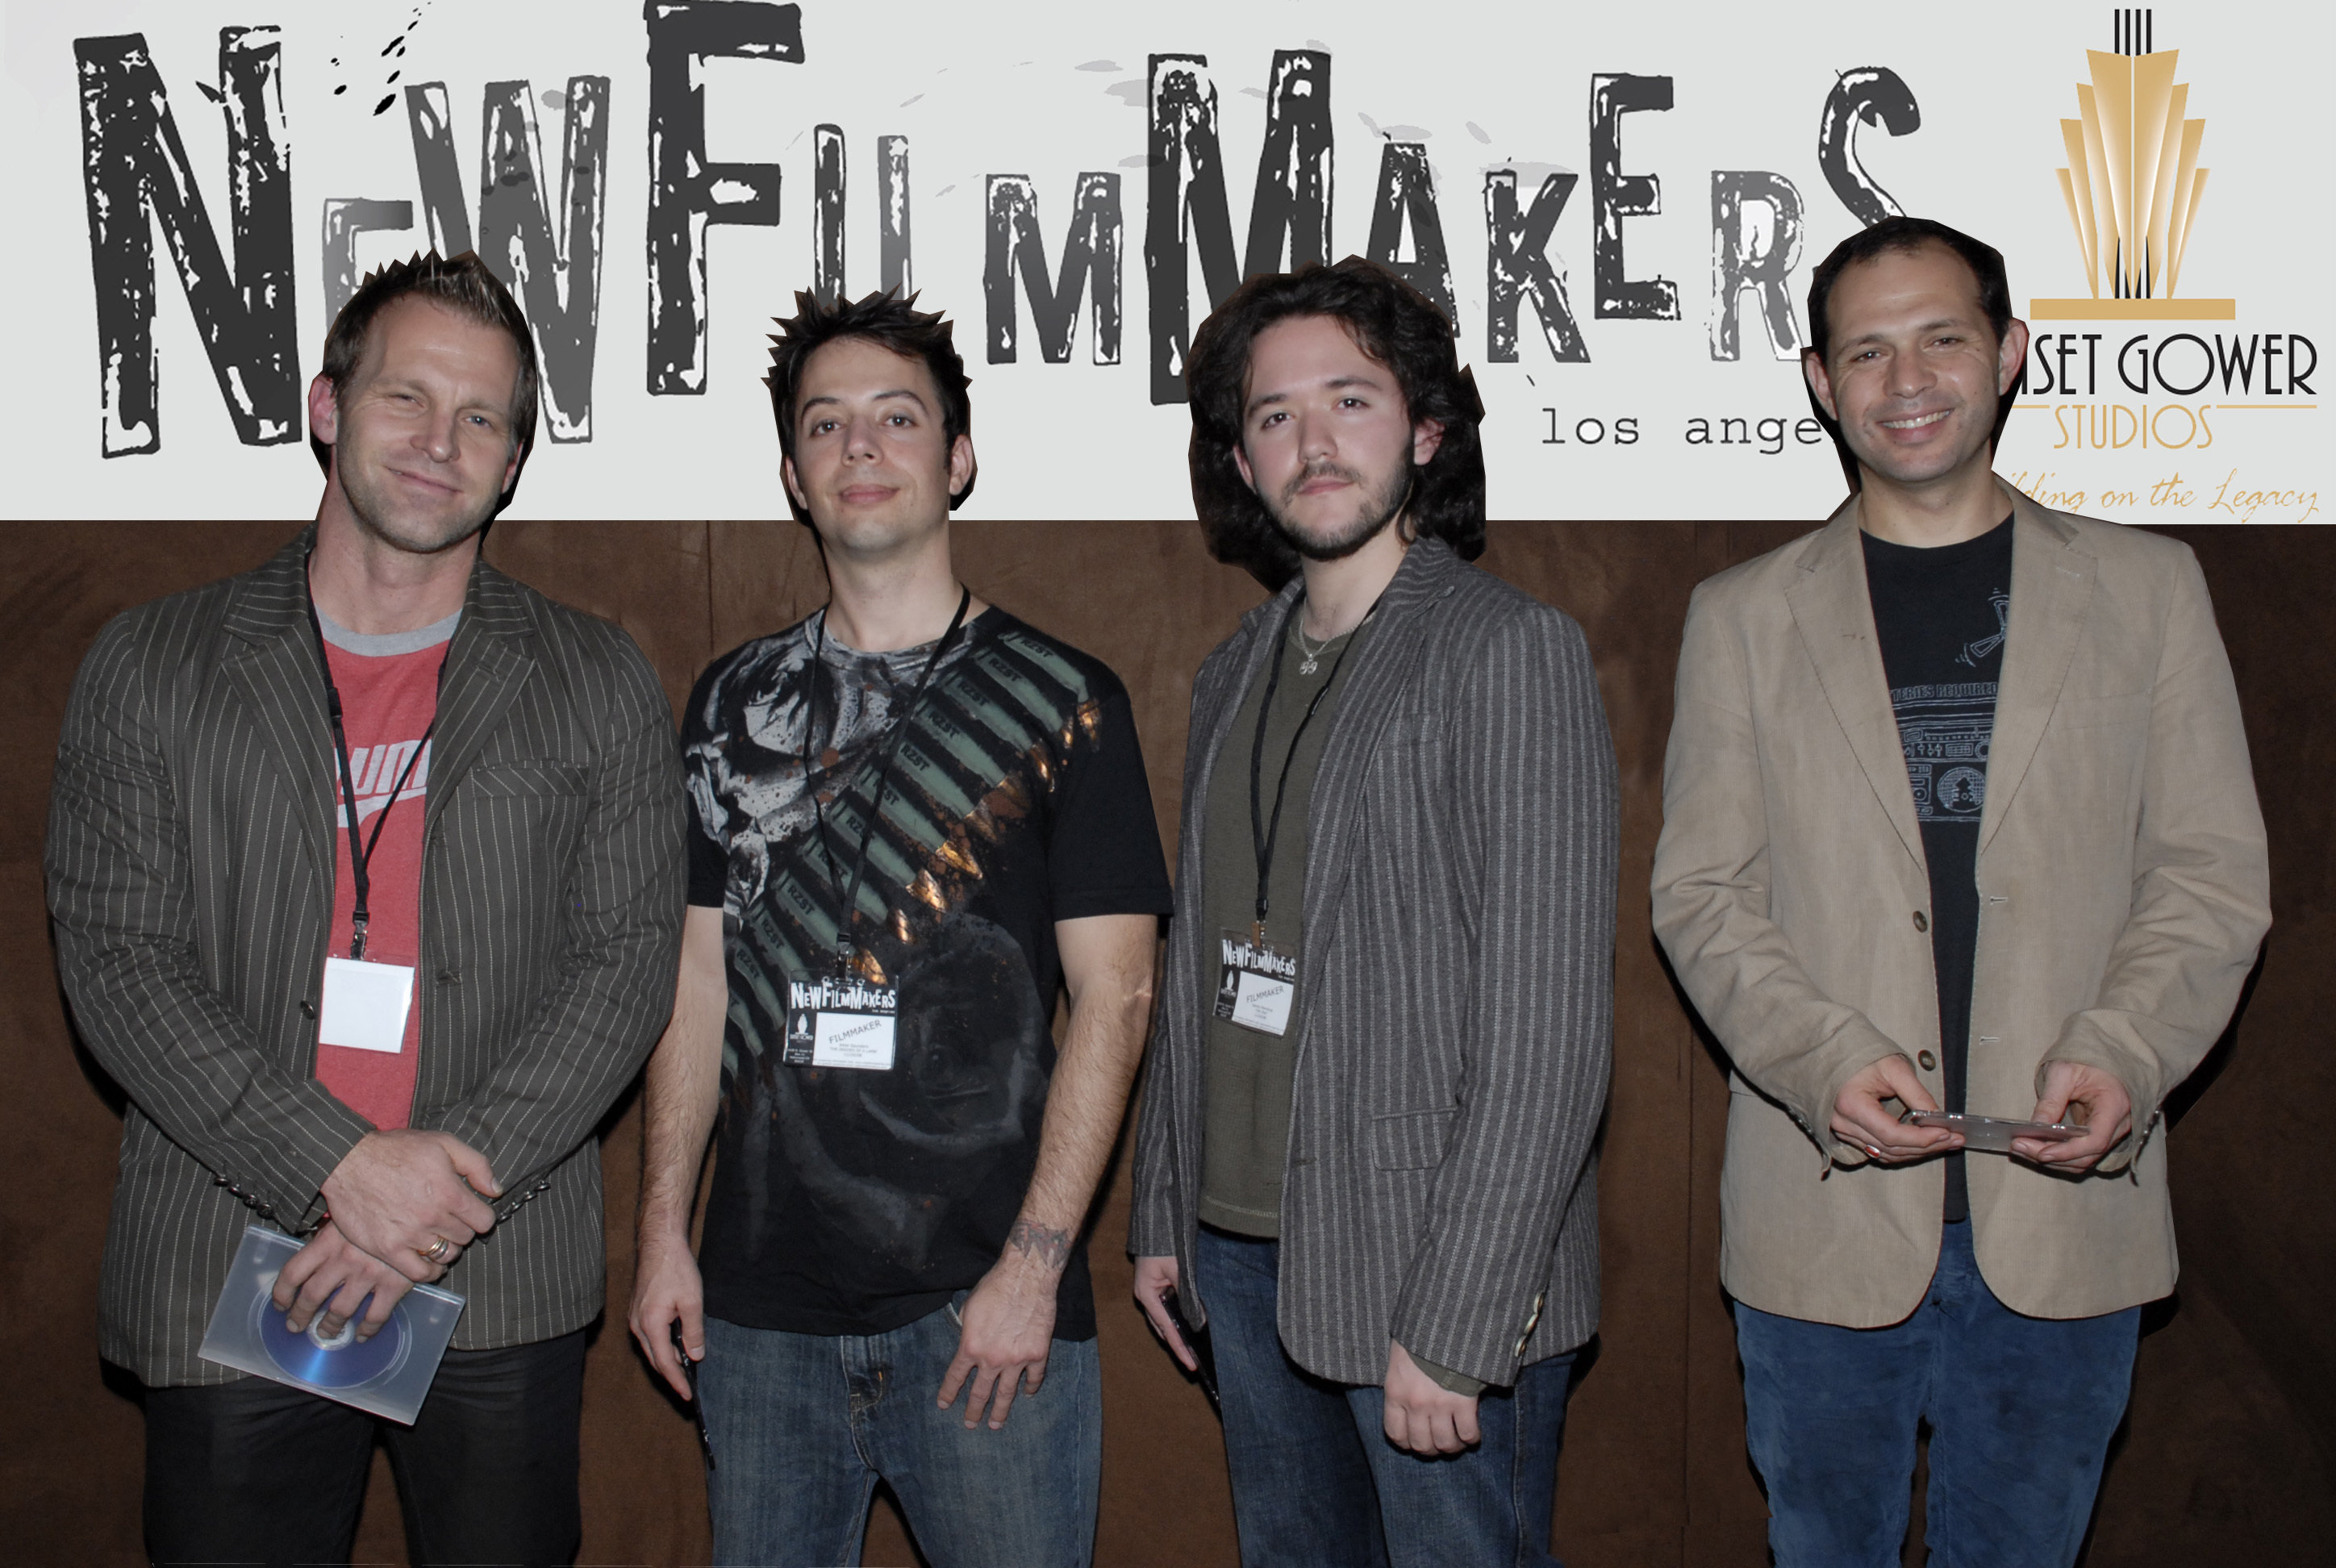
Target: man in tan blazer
(1957, 812)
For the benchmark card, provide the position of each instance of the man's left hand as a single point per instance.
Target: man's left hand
(2101, 1103)
(1422, 1414)
(1007, 1329)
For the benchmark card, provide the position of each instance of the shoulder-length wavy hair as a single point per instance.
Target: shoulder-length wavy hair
(1391, 321)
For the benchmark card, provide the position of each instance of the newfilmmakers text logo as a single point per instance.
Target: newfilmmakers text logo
(840, 996)
(1246, 955)
(2133, 188)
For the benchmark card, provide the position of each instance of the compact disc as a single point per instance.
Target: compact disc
(342, 1362)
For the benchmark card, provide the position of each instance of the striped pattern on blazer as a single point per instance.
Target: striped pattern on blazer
(189, 870)
(1458, 987)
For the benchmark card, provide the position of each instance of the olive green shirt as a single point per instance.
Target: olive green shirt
(1245, 1116)
(1245, 1130)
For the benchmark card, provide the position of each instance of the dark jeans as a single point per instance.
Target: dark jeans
(1315, 1480)
(2022, 1410)
(255, 1472)
(803, 1425)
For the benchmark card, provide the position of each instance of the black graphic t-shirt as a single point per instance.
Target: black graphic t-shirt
(850, 1200)
(1941, 615)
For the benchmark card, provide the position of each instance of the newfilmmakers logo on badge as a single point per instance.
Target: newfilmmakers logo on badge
(831, 996)
(1257, 960)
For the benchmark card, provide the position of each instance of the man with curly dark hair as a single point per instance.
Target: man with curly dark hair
(1364, 1165)
(914, 821)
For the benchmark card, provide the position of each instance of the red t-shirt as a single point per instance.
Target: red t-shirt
(386, 706)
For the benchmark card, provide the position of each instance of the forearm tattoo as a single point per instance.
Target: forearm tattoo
(1052, 1248)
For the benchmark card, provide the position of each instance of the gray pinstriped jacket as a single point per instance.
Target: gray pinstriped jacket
(189, 872)
(1456, 985)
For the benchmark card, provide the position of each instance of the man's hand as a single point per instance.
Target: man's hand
(1008, 1325)
(332, 1276)
(1860, 1118)
(1154, 1278)
(1423, 1416)
(2105, 1111)
(398, 1194)
(666, 1289)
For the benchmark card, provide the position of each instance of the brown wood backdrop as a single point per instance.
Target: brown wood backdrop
(2229, 1454)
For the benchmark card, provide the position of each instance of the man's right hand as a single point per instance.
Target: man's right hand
(666, 1290)
(1861, 1120)
(1154, 1278)
(330, 1278)
(398, 1193)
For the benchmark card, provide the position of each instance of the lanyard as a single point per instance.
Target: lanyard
(361, 849)
(1264, 831)
(847, 936)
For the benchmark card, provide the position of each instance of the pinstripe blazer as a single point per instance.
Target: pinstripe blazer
(1457, 984)
(191, 880)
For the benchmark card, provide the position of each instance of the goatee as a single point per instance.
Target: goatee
(1380, 507)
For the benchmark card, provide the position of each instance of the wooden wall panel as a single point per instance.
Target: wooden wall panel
(2229, 1454)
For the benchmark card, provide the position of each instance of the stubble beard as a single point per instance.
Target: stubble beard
(370, 504)
(1381, 505)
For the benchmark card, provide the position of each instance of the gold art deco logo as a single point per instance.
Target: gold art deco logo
(2132, 185)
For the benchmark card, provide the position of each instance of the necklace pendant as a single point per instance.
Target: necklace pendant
(1306, 665)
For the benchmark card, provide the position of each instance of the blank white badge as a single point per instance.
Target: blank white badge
(862, 1040)
(364, 1005)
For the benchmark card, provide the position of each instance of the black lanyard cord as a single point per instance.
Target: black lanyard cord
(1265, 831)
(847, 936)
(361, 848)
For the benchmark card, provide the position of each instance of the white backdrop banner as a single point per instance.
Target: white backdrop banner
(1620, 206)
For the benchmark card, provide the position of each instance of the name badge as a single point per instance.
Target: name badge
(1256, 983)
(841, 1024)
(364, 1005)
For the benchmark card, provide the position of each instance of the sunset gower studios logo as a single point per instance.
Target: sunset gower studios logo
(2138, 411)
(2132, 185)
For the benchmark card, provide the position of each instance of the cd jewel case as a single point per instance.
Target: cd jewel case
(388, 1374)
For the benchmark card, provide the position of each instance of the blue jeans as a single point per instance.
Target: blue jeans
(1315, 1480)
(2022, 1410)
(803, 1425)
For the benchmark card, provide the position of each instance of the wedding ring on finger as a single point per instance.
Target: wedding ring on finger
(438, 1251)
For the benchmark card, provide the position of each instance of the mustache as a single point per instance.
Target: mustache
(1314, 471)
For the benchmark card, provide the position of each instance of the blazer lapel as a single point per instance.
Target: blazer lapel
(2051, 592)
(1834, 608)
(489, 661)
(279, 671)
(1368, 702)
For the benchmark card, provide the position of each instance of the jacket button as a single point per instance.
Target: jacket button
(1921, 921)
(1929, 1061)
(308, 1008)
(450, 977)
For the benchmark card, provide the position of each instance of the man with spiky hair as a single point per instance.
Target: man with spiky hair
(915, 821)
(365, 870)
(1365, 1164)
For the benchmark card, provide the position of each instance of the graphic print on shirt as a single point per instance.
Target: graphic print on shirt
(882, 1156)
(375, 770)
(1974, 654)
(1945, 730)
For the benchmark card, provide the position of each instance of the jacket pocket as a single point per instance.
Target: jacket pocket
(1410, 1140)
(526, 780)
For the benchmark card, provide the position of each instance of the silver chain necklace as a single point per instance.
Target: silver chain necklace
(1310, 658)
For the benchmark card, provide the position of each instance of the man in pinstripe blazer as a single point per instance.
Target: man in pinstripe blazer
(1365, 1162)
(523, 911)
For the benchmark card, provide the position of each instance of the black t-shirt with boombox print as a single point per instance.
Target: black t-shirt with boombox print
(850, 1200)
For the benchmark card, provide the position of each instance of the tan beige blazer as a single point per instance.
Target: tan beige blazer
(2123, 894)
